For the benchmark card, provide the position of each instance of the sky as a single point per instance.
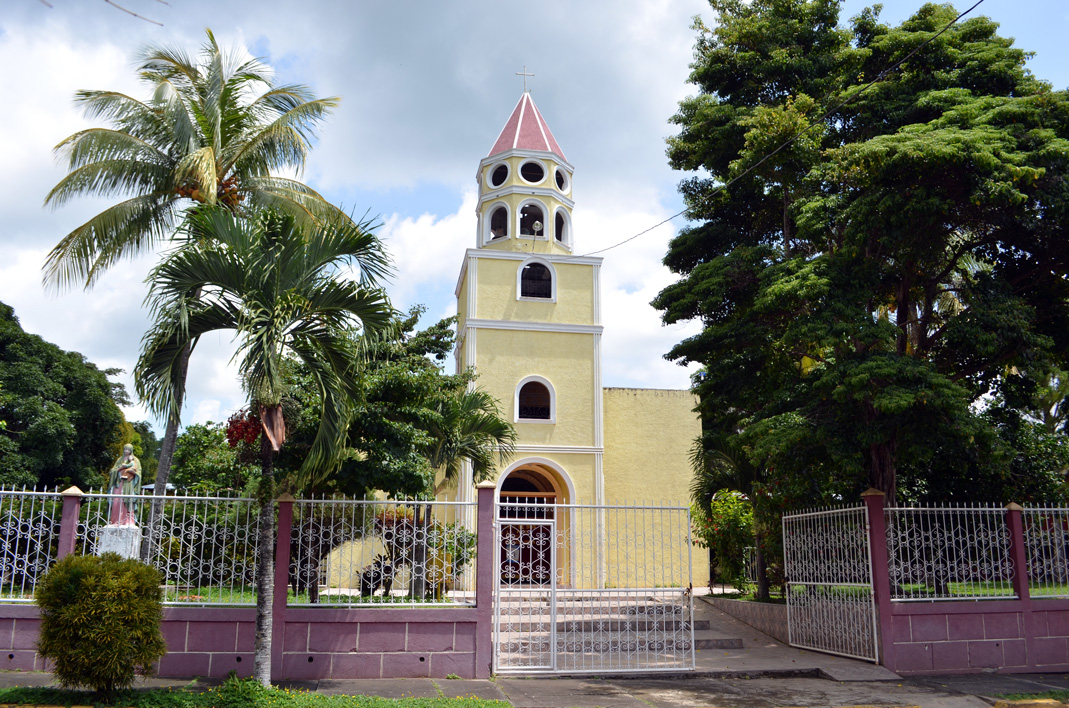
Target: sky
(426, 87)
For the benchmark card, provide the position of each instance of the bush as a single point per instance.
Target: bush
(728, 528)
(100, 621)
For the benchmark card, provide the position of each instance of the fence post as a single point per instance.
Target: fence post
(484, 579)
(282, 577)
(881, 575)
(1019, 560)
(1018, 556)
(68, 526)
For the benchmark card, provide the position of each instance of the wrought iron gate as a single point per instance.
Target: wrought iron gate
(584, 588)
(828, 563)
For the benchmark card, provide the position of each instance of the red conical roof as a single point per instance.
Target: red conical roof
(526, 130)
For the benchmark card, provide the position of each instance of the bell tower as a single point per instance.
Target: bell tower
(525, 188)
(529, 316)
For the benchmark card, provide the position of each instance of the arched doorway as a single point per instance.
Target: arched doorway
(528, 495)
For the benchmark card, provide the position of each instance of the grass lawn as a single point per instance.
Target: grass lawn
(1060, 694)
(234, 693)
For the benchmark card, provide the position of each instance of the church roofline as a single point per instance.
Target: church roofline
(498, 156)
(526, 129)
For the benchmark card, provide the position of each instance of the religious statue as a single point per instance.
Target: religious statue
(125, 481)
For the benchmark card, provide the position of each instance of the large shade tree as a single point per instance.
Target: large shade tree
(61, 420)
(869, 277)
(215, 130)
(283, 291)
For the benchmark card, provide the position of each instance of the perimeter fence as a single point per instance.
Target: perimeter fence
(342, 552)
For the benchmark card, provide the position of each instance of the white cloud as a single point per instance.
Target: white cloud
(428, 250)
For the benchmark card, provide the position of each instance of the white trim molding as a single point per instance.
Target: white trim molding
(535, 326)
(563, 476)
(534, 378)
(521, 152)
(560, 449)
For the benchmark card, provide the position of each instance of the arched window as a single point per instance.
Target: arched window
(536, 280)
(535, 400)
(532, 221)
(561, 178)
(499, 223)
(560, 227)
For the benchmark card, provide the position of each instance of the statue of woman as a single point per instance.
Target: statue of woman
(125, 481)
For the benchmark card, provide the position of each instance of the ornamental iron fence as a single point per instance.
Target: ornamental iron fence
(203, 546)
(949, 553)
(29, 539)
(374, 552)
(828, 565)
(1046, 542)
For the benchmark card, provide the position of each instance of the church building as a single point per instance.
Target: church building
(530, 324)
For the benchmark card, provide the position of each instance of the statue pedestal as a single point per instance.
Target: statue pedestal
(124, 540)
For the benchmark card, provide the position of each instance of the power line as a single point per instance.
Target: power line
(800, 133)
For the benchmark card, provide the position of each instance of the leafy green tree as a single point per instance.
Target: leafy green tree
(862, 289)
(61, 418)
(147, 449)
(204, 461)
(278, 287)
(410, 422)
(212, 133)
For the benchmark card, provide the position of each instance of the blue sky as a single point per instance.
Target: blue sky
(425, 87)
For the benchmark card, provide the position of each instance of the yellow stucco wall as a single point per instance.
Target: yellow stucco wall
(648, 436)
(497, 294)
(505, 357)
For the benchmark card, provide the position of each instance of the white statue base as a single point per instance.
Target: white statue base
(124, 540)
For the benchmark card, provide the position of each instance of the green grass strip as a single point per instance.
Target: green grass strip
(234, 693)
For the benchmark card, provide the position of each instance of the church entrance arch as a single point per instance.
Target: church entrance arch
(528, 495)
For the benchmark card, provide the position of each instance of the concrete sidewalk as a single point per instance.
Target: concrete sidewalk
(762, 674)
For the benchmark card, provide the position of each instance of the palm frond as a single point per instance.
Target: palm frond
(85, 253)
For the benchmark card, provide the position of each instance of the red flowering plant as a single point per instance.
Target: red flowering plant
(243, 430)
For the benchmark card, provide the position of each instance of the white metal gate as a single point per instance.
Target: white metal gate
(828, 564)
(592, 589)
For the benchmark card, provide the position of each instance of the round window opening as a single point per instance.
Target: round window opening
(532, 172)
(561, 179)
(499, 175)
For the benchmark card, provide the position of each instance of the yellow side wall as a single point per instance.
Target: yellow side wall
(648, 436)
(504, 357)
(496, 296)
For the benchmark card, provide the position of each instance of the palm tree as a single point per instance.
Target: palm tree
(465, 426)
(212, 132)
(468, 427)
(277, 286)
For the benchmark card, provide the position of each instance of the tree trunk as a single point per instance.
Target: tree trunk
(882, 468)
(163, 468)
(762, 567)
(265, 567)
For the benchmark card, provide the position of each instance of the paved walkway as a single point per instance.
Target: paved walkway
(763, 674)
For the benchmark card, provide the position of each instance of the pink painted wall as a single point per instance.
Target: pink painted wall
(1008, 636)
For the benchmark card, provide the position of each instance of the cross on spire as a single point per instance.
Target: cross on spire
(524, 74)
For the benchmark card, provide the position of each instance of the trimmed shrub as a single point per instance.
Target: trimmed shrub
(100, 621)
